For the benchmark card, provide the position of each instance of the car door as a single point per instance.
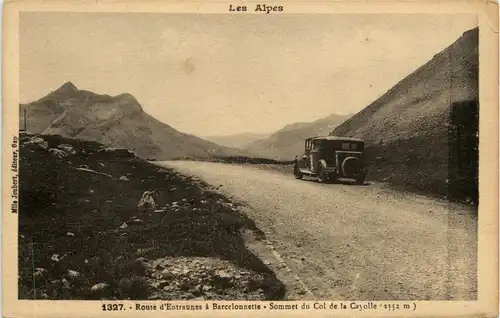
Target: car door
(306, 156)
(312, 155)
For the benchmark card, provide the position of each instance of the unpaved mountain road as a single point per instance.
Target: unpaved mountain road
(349, 242)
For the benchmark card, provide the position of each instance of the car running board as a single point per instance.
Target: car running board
(306, 171)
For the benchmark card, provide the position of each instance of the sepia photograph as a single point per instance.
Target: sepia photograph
(249, 154)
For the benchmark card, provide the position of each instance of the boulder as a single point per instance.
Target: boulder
(99, 288)
(147, 201)
(67, 148)
(124, 226)
(39, 273)
(73, 275)
(58, 153)
(40, 142)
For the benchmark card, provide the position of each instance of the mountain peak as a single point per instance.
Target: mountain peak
(67, 87)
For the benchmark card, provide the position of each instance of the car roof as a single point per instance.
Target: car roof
(336, 138)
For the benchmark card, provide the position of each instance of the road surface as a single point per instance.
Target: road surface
(349, 242)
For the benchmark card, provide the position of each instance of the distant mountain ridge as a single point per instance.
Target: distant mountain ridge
(289, 141)
(236, 140)
(117, 121)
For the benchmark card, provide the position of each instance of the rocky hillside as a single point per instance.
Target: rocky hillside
(117, 121)
(421, 134)
(100, 223)
(289, 141)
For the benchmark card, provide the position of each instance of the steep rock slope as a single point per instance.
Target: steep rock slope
(117, 121)
(422, 133)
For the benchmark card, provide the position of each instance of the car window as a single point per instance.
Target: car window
(349, 146)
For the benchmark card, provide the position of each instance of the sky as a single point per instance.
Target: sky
(221, 74)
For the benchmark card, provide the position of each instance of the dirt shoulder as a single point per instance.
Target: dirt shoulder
(100, 223)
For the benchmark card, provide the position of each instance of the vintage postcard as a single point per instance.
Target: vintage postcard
(247, 158)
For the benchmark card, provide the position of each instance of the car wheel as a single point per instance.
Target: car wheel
(296, 171)
(360, 179)
(321, 175)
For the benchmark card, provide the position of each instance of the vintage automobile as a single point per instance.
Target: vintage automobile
(330, 158)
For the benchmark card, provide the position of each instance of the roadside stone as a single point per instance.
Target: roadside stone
(55, 258)
(136, 221)
(66, 283)
(99, 287)
(206, 288)
(39, 273)
(124, 226)
(166, 274)
(67, 148)
(159, 284)
(40, 142)
(147, 201)
(155, 296)
(57, 153)
(124, 178)
(143, 251)
(222, 274)
(169, 288)
(142, 259)
(73, 275)
(44, 296)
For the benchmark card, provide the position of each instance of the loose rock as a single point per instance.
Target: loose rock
(99, 287)
(147, 201)
(58, 153)
(73, 274)
(40, 142)
(67, 148)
